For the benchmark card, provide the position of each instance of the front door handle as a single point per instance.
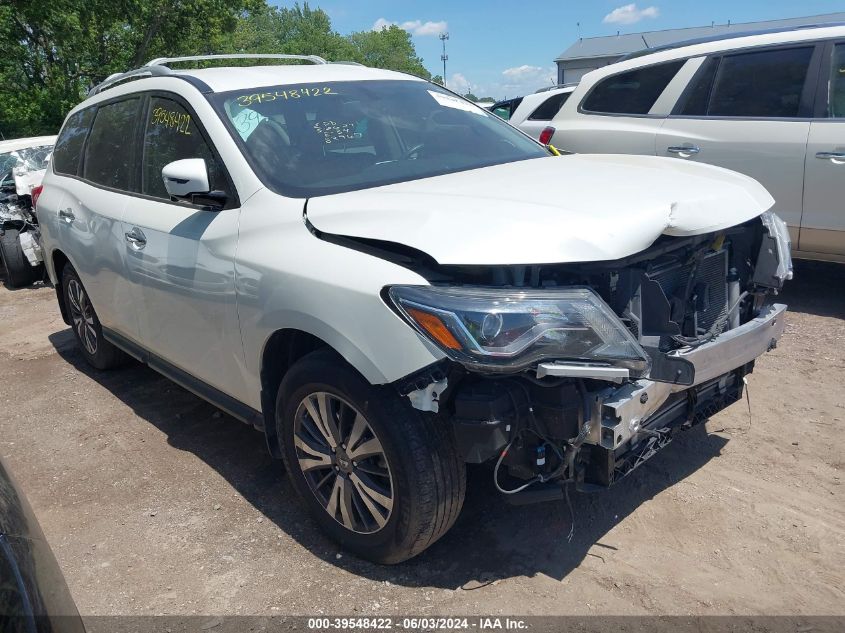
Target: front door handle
(136, 238)
(831, 156)
(67, 215)
(684, 150)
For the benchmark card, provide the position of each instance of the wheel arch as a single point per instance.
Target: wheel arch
(58, 260)
(281, 350)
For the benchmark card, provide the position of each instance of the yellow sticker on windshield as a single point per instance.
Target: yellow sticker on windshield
(292, 93)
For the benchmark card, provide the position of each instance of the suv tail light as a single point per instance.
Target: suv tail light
(546, 135)
(35, 194)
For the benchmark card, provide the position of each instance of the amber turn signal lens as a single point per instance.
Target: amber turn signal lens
(435, 328)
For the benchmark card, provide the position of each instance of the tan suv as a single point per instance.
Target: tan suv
(770, 105)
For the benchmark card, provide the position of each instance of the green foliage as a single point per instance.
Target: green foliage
(438, 79)
(471, 97)
(53, 51)
(390, 48)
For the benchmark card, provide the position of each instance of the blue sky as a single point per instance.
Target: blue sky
(507, 48)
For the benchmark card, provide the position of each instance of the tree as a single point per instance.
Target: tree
(52, 51)
(438, 80)
(391, 48)
(471, 97)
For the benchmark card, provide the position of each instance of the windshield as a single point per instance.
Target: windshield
(313, 140)
(23, 161)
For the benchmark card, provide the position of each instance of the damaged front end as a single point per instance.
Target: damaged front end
(581, 372)
(20, 179)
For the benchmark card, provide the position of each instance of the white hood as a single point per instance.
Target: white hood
(570, 209)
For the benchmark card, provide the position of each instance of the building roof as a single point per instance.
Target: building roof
(618, 45)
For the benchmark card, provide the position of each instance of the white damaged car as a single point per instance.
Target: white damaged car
(379, 276)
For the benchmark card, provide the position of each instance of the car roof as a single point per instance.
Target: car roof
(224, 79)
(724, 37)
(735, 43)
(229, 78)
(23, 143)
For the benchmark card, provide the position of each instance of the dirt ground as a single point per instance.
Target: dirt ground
(155, 503)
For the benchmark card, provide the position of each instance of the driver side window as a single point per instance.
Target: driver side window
(172, 134)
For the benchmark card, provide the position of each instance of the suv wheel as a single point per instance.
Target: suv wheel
(98, 352)
(380, 478)
(19, 272)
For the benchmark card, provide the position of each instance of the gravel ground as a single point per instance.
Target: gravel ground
(156, 503)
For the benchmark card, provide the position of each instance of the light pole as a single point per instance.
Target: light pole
(444, 56)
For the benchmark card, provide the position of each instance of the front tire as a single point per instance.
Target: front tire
(98, 352)
(378, 477)
(19, 272)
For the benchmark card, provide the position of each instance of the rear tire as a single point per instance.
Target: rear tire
(400, 481)
(19, 272)
(98, 352)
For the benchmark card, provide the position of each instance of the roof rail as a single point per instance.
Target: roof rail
(164, 61)
(137, 73)
(160, 66)
(556, 86)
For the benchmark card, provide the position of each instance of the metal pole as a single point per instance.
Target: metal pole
(444, 56)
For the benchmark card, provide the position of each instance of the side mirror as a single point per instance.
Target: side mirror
(187, 180)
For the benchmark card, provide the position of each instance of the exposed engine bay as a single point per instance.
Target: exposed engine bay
(698, 307)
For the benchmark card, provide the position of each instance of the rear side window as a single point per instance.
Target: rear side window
(761, 84)
(549, 108)
(837, 83)
(172, 134)
(109, 151)
(505, 109)
(632, 92)
(68, 148)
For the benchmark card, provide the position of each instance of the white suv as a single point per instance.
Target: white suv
(770, 105)
(375, 273)
(533, 113)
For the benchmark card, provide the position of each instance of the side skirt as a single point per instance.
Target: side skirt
(227, 403)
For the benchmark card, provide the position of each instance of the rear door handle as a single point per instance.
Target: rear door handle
(834, 156)
(67, 215)
(684, 149)
(136, 238)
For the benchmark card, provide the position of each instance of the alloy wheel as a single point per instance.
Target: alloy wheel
(343, 462)
(82, 316)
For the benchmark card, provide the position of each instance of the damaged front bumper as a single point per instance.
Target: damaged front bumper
(603, 431)
(623, 411)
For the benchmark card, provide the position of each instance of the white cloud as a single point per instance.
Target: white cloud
(458, 83)
(630, 14)
(525, 79)
(414, 27)
(520, 72)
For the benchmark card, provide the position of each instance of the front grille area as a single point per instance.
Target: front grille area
(708, 294)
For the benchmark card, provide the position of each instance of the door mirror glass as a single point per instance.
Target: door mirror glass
(187, 180)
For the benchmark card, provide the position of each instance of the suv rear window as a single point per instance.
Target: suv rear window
(549, 108)
(68, 148)
(632, 92)
(108, 153)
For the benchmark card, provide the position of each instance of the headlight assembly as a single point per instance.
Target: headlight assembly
(510, 329)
